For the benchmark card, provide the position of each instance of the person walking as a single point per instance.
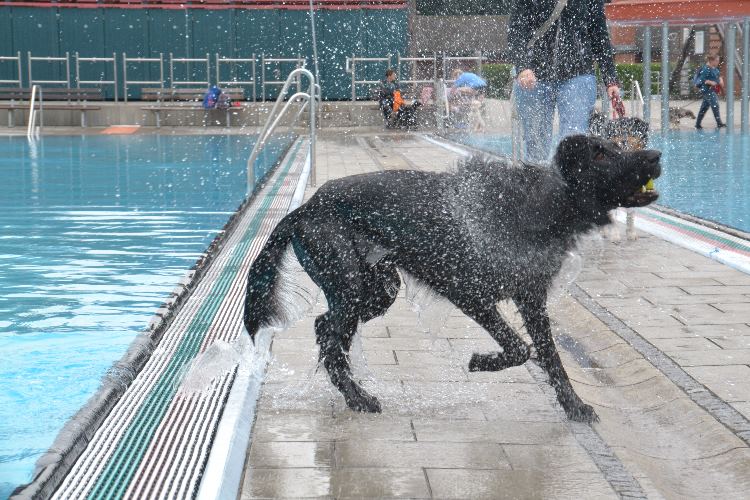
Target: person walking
(708, 81)
(553, 46)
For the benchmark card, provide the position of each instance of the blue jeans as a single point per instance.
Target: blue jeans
(574, 100)
(710, 100)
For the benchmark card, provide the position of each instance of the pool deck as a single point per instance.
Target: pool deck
(654, 336)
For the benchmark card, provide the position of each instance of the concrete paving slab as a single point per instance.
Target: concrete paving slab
(499, 431)
(729, 382)
(441, 455)
(481, 484)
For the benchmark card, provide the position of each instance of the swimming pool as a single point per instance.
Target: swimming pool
(706, 173)
(95, 231)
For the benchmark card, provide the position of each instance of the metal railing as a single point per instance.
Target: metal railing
(299, 62)
(233, 62)
(447, 60)
(309, 99)
(112, 82)
(17, 59)
(66, 60)
(130, 60)
(414, 61)
(636, 99)
(31, 131)
(188, 61)
(351, 67)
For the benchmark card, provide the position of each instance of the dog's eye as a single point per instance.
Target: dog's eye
(600, 156)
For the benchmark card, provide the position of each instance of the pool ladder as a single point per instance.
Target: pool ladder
(309, 100)
(32, 132)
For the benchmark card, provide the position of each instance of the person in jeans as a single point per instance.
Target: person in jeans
(709, 79)
(553, 45)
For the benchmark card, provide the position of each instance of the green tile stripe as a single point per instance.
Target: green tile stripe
(697, 229)
(122, 464)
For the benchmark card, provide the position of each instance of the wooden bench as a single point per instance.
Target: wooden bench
(185, 99)
(65, 99)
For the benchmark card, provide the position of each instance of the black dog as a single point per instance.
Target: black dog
(490, 231)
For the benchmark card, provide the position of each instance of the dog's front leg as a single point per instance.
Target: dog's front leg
(534, 313)
(515, 351)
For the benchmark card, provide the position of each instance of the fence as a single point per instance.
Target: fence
(182, 71)
(101, 81)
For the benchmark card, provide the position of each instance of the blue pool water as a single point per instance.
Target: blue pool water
(706, 173)
(95, 232)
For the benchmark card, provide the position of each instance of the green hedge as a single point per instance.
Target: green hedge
(626, 73)
(498, 80)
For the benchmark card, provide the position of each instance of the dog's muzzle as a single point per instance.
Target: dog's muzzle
(646, 193)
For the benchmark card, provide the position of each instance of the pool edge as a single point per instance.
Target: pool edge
(53, 466)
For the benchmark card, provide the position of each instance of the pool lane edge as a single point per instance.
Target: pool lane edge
(222, 476)
(53, 466)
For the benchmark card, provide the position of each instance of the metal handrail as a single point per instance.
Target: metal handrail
(299, 62)
(126, 60)
(446, 59)
(31, 133)
(187, 60)
(273, 120)
(408, 81)
(17, 59)
(351, 68)
(235, 61)
(65, 60)
(112, 82)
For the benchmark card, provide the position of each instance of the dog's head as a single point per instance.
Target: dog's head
(604, 176)
(631, 134)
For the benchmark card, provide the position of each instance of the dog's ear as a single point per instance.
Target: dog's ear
(573, 156)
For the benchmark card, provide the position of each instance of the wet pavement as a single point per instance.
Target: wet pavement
(655, 337)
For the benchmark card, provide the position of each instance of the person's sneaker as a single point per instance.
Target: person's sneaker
(698, 127)
(721, 125)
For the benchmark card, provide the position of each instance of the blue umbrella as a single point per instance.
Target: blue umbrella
(470, 80)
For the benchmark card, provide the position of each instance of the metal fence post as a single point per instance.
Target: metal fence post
(664, 77)
(354, 79)
(745, 73)
(731, 52)
(647, 75)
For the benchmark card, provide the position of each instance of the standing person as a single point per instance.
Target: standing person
(708, 79)
(553, 45)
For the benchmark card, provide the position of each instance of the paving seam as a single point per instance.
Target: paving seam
(722, 411)
(622, 482)
(619, 478)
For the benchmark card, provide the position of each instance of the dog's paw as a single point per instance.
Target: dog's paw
(486, 362)
(492, 362)
(364, 403)
(582, 413)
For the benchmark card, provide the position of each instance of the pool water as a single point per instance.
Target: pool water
(705, 173)
(95, 232)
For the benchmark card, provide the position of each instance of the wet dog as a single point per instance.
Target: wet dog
(490, 231)
(631, 134)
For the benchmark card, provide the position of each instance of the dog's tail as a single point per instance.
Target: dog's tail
(262, 304)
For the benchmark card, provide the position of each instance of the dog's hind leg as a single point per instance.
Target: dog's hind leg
(330, 258)
(335, 358)
(534, 313)
(380, 286)
(515, 351)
